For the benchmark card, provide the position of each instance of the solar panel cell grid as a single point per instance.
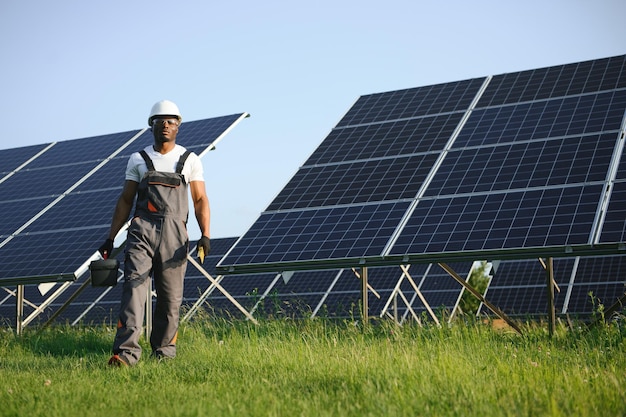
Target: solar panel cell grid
(523, 301)
(245, 285)
(198, 134)
(581, 159)
(614, 227)
(33, 255)
(87, 210)
(110, 175)
(31, 183)
(11, 159)
(601, 269)
(570, 79)
(535, 218)
(520, 288)
(368, 181)
(21, 211)
(307, 282)
(78, 151)
(587, 299)
(539, 120)
(319, 234)
(403, 137)
(414, 102)
(439, 280)
(511, 274)
(347, 282)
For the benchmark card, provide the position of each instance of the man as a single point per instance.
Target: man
(157, 243)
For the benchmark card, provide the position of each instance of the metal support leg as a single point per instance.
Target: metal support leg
(365, 313)
(221, 289)
(19, 310)
(480, 297)
(550, 287)
(395, 308)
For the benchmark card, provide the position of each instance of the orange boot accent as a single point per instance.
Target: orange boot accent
(117, 361)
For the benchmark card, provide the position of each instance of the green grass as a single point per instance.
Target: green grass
(320, 368)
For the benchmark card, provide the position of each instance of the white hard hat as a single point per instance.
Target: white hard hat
(164, 108)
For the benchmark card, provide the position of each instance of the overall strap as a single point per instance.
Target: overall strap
(146, 158)
(181, 162)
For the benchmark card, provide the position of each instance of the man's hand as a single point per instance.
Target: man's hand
(203, 248)
(106, 248)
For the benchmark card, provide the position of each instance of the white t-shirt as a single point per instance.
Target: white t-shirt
(137, 167)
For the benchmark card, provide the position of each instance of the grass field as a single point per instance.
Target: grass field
(321, 368)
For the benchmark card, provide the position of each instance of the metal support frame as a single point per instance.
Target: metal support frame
(365, 286)
(551, 285)
(19, 310)
(550, 293)
(196, 306)
(480, 297)
(364, 303)
(397, 291)
(20, 320)
(67, 303)
(222, 290)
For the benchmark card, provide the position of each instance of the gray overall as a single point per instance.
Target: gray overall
(157, 245)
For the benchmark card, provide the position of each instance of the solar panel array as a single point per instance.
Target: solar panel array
(512, 166)
(516, 165)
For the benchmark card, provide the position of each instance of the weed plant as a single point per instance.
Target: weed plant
(320, 368)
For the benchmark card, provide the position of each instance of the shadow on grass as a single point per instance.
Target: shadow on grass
(68, 341)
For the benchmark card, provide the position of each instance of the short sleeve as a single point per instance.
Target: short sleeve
(196, 171)
(132, 168)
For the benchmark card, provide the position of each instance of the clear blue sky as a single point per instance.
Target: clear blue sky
(73, 69)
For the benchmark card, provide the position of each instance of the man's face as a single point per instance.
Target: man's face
(165, 128)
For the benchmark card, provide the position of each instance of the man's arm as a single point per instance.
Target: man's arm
(123, 207)
(201, 206)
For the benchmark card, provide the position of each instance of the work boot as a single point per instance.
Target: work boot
(117, 361)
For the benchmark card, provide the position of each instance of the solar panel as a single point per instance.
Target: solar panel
(573, 160)
(413, 102)
(614, 227)
(511, 165)
(352, 183)
(386, 139)
(599, 281)
(11, 159)
(77, 152)
(584, 284)
(523, 219)
(563, 80)
(20, 211)
(309, 235)
(519, 287)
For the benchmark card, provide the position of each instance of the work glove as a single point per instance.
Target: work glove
(203, 248)
(106, 248)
